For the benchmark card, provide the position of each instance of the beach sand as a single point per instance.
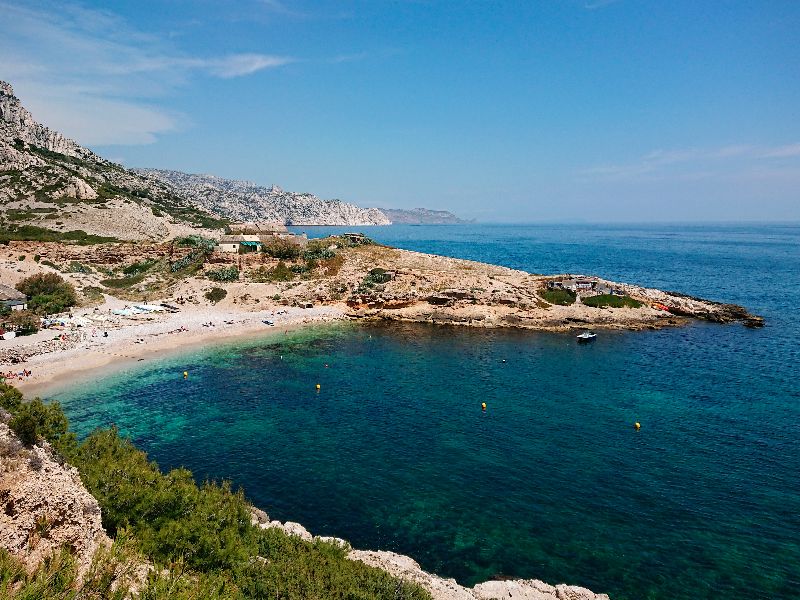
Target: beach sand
(147, 337)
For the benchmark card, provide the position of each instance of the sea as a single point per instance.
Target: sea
(552, 481)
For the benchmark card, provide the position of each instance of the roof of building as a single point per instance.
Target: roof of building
(238, 238)
(9, 293)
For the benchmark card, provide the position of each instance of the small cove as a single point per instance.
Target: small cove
(551, 481)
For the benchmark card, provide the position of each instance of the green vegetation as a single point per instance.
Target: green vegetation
(560, 296)
(138, 268)
(32, 233)
(375, 277)
(22, 321)
(378, 276)
(280, 248)
(215, 294)
(280, 272)
(36, 420)
(48, 293)
(196, 241)
(78, 267)
(318, 250)
(609, 300)
(123, 282)
(199, 537)
(224, 274)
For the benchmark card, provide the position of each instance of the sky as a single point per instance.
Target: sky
(502, 111)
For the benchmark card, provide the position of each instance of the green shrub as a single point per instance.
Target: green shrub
(36, 258)
(76, 267)
(21, 257)
(216, 294)
(281, 272)
(122, 282)
(559, 296)
(224, 274)
(281, 248)
(609, 300)
(25, 321)
(48, 293)
(35, 419)
(10, 398)
(138, 267)
(378, 276)
(196, 241)
(318, 251)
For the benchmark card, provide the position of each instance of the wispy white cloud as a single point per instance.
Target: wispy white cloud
(697, 163)
(90, 74)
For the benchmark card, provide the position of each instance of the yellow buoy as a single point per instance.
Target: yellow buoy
(318, 386)
(637, 426)
(186, 374)
(483, 405)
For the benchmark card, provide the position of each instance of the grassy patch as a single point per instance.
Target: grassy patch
(123, 282)
(558, 296)
(608, 300)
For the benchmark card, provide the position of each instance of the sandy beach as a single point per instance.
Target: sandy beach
(143, 337)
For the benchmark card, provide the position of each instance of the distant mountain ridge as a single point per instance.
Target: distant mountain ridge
(247, 201)
(422, 216)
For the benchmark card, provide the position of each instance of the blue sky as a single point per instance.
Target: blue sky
(596, 110)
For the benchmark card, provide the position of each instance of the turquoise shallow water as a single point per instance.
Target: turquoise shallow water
(552, 481)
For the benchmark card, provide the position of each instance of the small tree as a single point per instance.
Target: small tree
(24, 321)
(215, 294)
(48, 293)
(281, 248)
(35, 419)
(10, 398)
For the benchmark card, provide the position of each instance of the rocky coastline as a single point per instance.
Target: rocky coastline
(36, 488)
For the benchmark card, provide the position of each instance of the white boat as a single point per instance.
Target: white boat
(586, 336)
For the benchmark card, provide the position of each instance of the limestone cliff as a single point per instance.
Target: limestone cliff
(246, 201)
(44, 506)
(51, 182)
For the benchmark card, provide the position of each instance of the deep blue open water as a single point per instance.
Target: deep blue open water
(552, 481)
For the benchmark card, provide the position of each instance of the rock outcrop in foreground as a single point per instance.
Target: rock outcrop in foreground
(404, 567)
(44, 506)
(246, 201)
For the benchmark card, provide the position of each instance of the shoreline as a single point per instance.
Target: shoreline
(133, 343)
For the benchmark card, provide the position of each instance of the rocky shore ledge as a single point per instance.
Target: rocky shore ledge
(35, 488)
(406, 568)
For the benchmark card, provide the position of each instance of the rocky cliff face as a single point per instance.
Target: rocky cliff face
(50, 181)
(44, 506)
(246, 201)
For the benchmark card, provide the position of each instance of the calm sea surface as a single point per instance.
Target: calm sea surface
(551, 482)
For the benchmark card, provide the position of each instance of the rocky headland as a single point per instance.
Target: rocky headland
(422, 216)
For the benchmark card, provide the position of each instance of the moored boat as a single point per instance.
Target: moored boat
(586, 336)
